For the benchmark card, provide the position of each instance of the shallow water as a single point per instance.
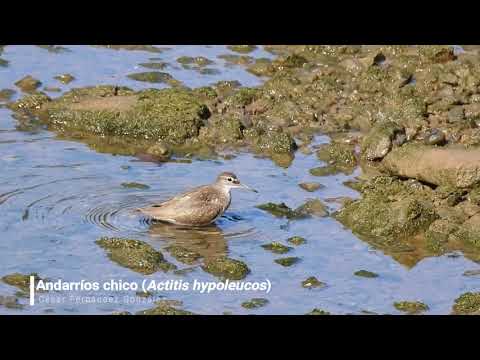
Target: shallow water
(57, 197)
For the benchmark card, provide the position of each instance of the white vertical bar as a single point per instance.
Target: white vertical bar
(32, 290)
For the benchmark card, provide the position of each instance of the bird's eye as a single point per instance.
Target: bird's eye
(230, 179)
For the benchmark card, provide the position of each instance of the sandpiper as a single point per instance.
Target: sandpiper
(200, 206)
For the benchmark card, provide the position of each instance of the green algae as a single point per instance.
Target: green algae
(134, 185)
(287, 261)
(183, 255)
(365, 273)
(312, 282)
(325, 170)
(467, 303)
(198, 60)
(135, 255)
(226, 268)
(21, 281)
(296, 240)
(317, 311)
(276, 247)
(65, 78)
(255, 303)
(411, 307)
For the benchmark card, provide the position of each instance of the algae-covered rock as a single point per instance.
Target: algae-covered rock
(318, 312)
(21, 281)
(296, 240)
(411, 307)
(182, 254)
(198, 60)
(389, 210)
(276, 247)
(134, 254)
(340, 155)
(121, 313)
(154, 65)
(468, 231)
(471, 273)
(467, 303)
(173, 115)
(135, 185)
(255, 303)
(163, 308)
(312, 207)
(155, 77)
(380, 140)
(221, 131)
(236, 59)
(281, 210)
(325, 170)
(65, 78)
(6, 94)
(450, 166)
(226, 268)
(30, 102)
(262, 67)
(270, 140)
(365, 273)
(287, 261)
(147, 48)
(244, 49)
(312, 282)
(311, 186)
(10, 302)
(3, 62)
(28, 84)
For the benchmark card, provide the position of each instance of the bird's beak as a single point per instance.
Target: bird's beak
(248, 188)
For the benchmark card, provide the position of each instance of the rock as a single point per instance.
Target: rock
(452, 166)
(183, 255)
(281, 210)
(313, 207)
(164, 308)
(52, 89)
(135, 185)
(160, 149)
(296, 240)
(28, 84)
(311, 186)
(65, 78)
(471, 273)
(287, 261)
(255, 303)
(325, 170)
(21, 281)
(312, 282)
(6, 94)
(244, 49)
(154, 65)
(435, 137)
(135, 255)
(467, 303)
(277, 247)
(318, 312)
(456, 114)
(10, 302)
(411, 307)
(365, 273)
(380, 140)
(155, 77)
(340, 155)
(227, 268)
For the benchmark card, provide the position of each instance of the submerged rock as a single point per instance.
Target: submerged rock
(198, 60)
(277, 247)
(226, 268)
(365, 273)
(154, 65)
(467, 303)
(65, 78)
(296, 240)
(318, 312)
(255, 303)
(135, 185)
(6, 94)
(10, 302)
(312, 207)
(311, 186)
(28, 84)
(135, 255)
(281, 210)
(155, 77)
(411, 307)
(21, 281)
(183, 255)
(312, 282)
(164, 308)
(244, 49)
(287, 261)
